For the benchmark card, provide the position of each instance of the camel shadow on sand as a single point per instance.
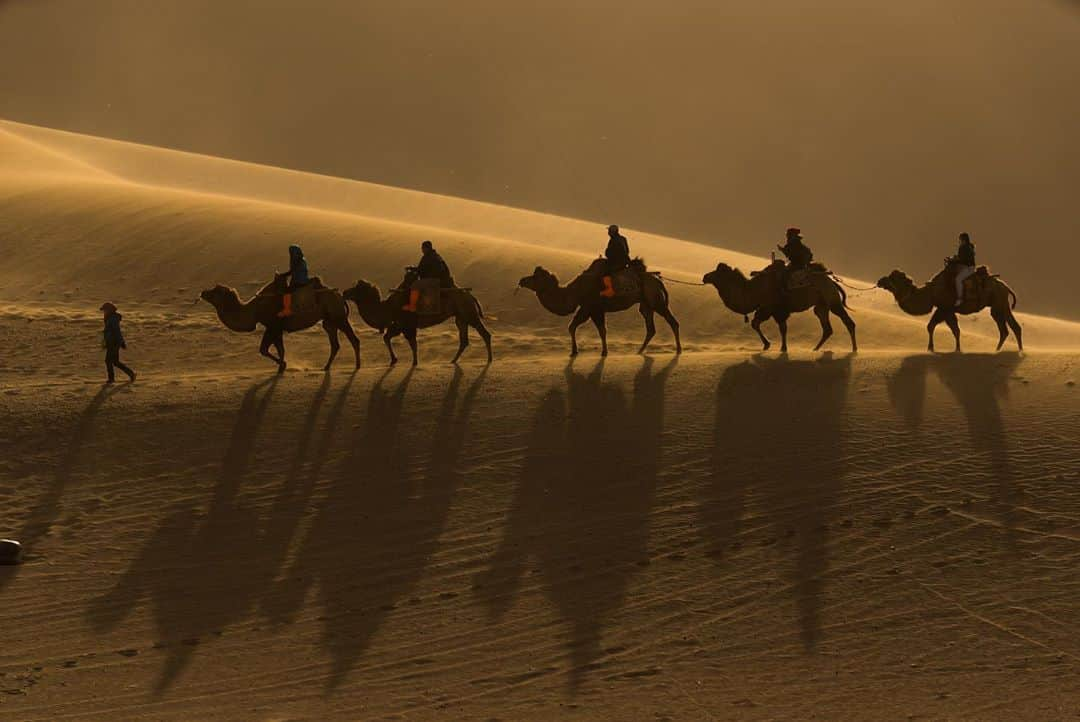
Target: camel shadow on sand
(977, 382)
(777, 466)
(47, 509)
(381, 520)
(581, 509)
(244, 548)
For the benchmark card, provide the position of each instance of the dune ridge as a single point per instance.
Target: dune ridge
(196, 221)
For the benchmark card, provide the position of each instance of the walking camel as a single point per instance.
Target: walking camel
(939, 296)
(387, 315)
(329, 308)
(763, 295)
(581, 297)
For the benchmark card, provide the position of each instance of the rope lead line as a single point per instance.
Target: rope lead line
(844, 283)
(685, 283)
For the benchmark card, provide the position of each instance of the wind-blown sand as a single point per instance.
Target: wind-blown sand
(723, 534)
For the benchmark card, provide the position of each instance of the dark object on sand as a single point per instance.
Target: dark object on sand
(10, 551)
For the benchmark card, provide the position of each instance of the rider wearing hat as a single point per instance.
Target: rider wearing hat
(798, 254)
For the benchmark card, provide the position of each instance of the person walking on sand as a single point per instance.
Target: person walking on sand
(113, 340)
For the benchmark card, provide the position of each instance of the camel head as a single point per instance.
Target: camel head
(896, 282)
(540, 280)
(715, 277)
(363, 293)
(221, 297)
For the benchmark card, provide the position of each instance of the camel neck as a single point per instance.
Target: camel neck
(916, 302)
(376, 313)
(737, 295)
(558, 300)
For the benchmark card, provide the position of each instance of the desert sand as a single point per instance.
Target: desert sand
(721, 534)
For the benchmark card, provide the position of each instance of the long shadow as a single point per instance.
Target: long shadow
(780, 429)
(241, 549)
(976, 382)
(381, 521)
(46, 510)
(582, 505)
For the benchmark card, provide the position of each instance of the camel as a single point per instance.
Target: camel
(330, 309)
(939, 296)
(387, 315)
(763, 295)
(582, 298)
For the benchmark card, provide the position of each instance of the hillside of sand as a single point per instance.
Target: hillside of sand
(722, 534)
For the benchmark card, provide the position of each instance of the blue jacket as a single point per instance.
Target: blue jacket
(298, 270)
(114, 338)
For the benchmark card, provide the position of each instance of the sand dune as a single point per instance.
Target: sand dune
(724, 534)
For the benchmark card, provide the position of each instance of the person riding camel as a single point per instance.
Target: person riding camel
(798, 253)
(297, 275)
(617, 254)
(964, 261)
(431, 265)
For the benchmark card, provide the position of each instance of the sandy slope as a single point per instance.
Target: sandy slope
(721, 535)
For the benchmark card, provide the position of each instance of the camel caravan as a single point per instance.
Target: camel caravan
(428, 296)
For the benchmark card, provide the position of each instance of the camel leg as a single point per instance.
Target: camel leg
(335, 345)
(463, 338)
(1003, 330)
(484, 334)
(650, 326)
(822, 312)
(937, 317)
(667, 315)
(579, 318)
(410, 336)
(386, 337)
(755, 324)
(600, 322)
(781, 323)
(849, 323)
(268, 339)
(954, 326)
(347, 329)
(1015, 326)
(279, 344)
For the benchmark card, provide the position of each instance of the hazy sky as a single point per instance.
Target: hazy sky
(883, 129)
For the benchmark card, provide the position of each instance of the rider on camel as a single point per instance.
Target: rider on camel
(617, 254)
(798, 253)
(297, 275)
(964, 261)
(431, 265)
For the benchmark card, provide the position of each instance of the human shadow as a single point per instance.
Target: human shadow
(581, 509)
(381, 520)
(779, 439)
(48, 506)
(977, 382)
(243, 548)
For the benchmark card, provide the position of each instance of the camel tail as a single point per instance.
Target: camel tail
(843, 294)
(479, 308)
